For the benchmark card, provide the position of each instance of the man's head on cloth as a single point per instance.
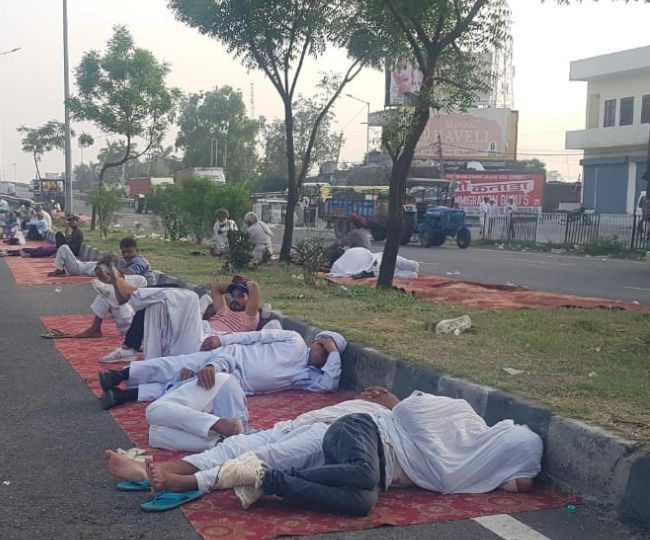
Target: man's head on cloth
(318, 352)
(238, 296)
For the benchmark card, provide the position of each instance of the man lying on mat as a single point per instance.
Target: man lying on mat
(262, 362)
(338, 458)
(170, 321)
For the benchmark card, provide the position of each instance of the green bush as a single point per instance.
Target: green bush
(188, 207)
(240, 252)
(106, 201)
(309, 253)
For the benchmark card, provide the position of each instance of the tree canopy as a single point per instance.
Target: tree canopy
(123, 92)
(45, 138)
(217, 121)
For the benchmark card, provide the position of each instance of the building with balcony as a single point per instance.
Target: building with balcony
(615, 138)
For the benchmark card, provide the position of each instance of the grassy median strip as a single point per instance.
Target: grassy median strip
(588, 364)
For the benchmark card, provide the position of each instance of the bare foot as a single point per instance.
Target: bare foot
(162, 480)
(89, 333)
(228, 427)
(124, 468)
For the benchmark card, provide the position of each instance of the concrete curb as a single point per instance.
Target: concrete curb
(581, 459)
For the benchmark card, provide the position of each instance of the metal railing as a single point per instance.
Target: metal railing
(572, 229)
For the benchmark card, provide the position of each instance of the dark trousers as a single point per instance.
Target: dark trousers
(33, 234)
(350, 480)
(135, 334)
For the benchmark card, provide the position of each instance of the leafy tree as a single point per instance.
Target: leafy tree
(533, 164)
(444, 40)
(276, 37)
(107, 200)
(325, 147)
(38, 141)
(85, 175)
(123, 92)
(218, 115)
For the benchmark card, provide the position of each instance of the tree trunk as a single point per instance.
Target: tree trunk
(397, 197)
(38, 172)
(292, 197)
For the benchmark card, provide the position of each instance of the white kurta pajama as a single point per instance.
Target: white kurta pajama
(438, 443)
(103, 306)
(257, 362)
(172, 321)
(183, 417)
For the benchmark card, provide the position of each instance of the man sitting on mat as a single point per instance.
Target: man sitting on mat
(262, 362)
(171, 321)
(338, 458)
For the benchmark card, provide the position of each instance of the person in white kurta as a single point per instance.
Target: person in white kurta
(360, 260)
(261, 362)
(435, 442)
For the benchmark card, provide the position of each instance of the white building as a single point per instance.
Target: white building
(615, 138)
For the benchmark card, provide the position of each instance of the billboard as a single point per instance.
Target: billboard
(526, 189)
(480, 134)
(403, 79)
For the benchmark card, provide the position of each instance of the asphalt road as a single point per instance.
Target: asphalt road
(52, 479)
(601, 277)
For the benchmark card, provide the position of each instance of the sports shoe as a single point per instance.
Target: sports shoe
(248, 495)
(246, 470)
(120, 355)
(110, 379)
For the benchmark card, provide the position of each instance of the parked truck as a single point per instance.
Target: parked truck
(371, 202)
(138, 188)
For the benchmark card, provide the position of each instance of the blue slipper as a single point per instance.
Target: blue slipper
(132, 485)
(166, 500)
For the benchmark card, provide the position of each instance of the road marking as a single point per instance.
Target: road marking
(509, 528)
(541, 262)
(638, 288)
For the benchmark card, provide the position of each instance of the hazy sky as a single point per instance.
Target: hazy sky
(546, 38)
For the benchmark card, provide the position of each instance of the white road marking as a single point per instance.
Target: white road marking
(638, 288)
(509, 528)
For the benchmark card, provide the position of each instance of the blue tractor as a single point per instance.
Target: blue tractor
(436, 223)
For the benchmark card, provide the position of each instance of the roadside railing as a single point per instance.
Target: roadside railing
(569, 228)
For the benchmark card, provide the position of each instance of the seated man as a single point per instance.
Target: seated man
(136, 271)
(38, 226)
(181, 330)
(358, 236)
(337, 459)
(262, 362)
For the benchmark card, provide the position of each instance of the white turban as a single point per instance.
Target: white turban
(341, 344)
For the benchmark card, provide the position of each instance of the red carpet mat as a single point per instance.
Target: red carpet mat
(219, 516)
(490, 296)
(28, 271)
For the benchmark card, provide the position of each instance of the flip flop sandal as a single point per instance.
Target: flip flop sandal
(166, 500)
(55, 334)
(132, 485)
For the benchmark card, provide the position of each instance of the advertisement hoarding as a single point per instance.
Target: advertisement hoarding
(479, 134)
(526, 189)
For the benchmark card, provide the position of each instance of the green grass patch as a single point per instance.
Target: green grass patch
(588, 364)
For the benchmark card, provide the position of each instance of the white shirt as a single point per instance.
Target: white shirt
(48, 220)
(273, 361)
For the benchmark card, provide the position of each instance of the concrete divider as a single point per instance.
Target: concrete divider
(584, 460)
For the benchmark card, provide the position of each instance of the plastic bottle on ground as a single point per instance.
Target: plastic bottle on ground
(454, 326)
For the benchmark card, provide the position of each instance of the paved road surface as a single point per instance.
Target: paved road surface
(52, 479)
(602, 277)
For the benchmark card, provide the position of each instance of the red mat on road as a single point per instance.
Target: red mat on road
(219, 516)
(28, 271)
(490, 296)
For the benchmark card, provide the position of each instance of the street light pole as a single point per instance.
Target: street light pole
(2, 171)
(367, 126)
(66, 92)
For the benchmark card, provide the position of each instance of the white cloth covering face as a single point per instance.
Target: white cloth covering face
(357, 260)
(443, 445)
